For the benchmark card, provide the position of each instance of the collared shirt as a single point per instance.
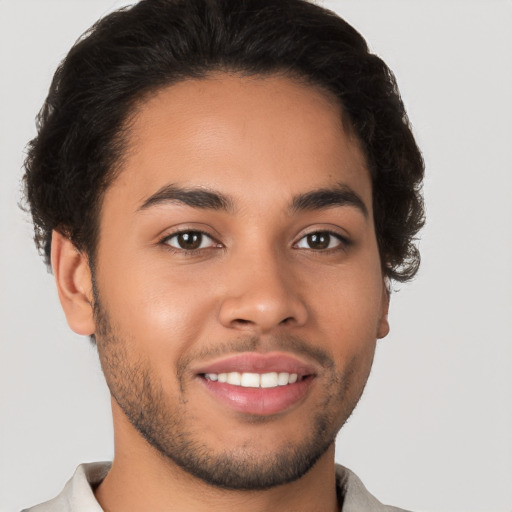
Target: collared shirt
(78, 495)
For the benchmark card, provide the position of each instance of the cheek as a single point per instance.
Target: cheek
(347, 308)
(157, 306)
(349, 302)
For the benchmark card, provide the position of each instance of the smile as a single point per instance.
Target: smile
(254, 380)
(258, 384)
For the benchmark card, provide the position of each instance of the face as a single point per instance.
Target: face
(238, 286)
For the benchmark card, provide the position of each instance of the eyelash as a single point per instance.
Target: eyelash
(188, 252)
(344, 242)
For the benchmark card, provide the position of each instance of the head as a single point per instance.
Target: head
(185, 150)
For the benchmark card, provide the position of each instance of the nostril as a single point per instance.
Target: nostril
(241, 321)
(263, 309)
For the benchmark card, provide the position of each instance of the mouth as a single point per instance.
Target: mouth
(258, 384)
(255, 380)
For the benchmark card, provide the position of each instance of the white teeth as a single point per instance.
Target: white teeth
(282, 379)
(268, 380)
(234, 378)
(254, 380)
(250, 380)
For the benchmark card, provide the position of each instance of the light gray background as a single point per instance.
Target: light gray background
(433, 430)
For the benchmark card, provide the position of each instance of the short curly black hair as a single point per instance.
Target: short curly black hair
(135, 51)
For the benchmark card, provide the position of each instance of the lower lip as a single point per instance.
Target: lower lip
(260, 401)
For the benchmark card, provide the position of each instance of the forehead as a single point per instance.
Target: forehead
(239, 134)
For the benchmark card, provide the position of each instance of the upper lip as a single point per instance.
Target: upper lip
(254, 362)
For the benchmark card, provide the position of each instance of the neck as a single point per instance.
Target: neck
(143, 479)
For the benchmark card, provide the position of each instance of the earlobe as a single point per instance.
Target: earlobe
(383, 327)
(74, 284)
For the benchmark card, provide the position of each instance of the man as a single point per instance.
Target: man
(224, 191)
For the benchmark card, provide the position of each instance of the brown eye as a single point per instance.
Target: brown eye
(319, 241)
(190, 240)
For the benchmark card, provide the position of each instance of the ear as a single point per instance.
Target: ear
(74, 284)
(383, 326)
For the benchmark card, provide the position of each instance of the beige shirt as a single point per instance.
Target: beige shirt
(77, 495)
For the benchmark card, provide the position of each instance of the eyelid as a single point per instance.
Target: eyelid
(344, 241)
(168, 236)
(187, 227)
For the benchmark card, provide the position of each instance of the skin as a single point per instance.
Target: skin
(253, 286)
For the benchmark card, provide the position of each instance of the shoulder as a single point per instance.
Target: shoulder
(77, 495)
(356, 498)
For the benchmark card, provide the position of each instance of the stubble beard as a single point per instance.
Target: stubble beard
(160, 421)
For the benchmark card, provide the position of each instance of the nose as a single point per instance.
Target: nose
(262, 294)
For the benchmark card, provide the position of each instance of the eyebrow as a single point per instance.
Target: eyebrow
(194, 197)
(320, 199)
(341, 195)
